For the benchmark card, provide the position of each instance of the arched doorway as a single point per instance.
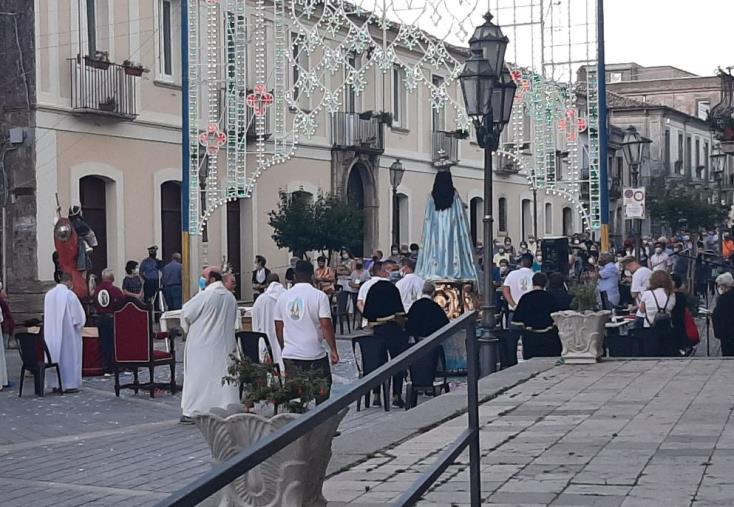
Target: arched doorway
(170, 219)
(355, 198)
(93, 200)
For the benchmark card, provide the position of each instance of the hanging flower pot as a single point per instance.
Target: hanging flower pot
(133, 69)
(100, 60)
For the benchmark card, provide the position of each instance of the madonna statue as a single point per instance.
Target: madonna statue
(446, 252)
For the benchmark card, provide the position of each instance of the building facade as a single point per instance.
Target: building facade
(94, 133)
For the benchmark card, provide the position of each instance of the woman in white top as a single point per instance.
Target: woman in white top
(660, 297)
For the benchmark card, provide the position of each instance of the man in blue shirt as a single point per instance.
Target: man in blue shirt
(171, 279)
(150, 271)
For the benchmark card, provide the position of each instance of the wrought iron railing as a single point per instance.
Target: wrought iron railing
(445, 148)
(224, 473)
(101, 87)
(615, 189)
(362, 132)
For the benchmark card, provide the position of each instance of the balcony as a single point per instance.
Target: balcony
(102, 88)
(445, 148)
(360, 132)
(252, 127)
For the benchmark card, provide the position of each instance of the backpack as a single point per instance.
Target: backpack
(662, 320)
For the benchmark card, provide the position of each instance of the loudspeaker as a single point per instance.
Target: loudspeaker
(555, 255)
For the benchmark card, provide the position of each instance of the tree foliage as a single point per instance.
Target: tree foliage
(326, 224)
(684, 208)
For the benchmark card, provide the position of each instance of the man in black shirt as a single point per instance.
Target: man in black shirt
(384, 312)
(425, 316)
(535, 307)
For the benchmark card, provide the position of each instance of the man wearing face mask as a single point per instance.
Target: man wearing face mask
(410, 285)
(500, 255)
(659, 259)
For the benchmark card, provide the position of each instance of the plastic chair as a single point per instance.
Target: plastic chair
(35, 358)
(373, 353)
(341, 314)
(356, 315)
(423, 378)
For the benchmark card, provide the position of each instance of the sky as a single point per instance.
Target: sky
(692, 35)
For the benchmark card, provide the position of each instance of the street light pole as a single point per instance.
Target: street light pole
(396, 176)
(535, 213)
(633, 146)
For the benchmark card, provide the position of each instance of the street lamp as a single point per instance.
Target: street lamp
(396, 176)
(633, 145)
(489, 92)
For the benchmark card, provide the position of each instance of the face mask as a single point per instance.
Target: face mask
(658, 251)
(202, 283)
(135, 271)
(503, 270)
(592, 261)
(627, 272)
(539, 258)
(395, 252)
(501, 251)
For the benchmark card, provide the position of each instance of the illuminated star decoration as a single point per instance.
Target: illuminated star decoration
(260, 100)
(212, 139)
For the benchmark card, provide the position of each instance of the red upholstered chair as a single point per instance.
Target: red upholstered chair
(134, 339)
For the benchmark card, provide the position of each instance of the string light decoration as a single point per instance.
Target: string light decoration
(299, 74)
(307, 57)
(553, 49)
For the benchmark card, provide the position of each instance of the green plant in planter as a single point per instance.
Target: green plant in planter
(584, 298)
(261, 384)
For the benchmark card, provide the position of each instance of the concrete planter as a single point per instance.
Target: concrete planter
(582, 335)
(293, 476)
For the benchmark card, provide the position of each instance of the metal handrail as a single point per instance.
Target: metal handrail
(224, 473)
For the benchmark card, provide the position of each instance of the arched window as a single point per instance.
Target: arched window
(403, 219)
(170, 218)
(548, 218)
(502, 215)
(476, 209)
(567, 221)
(93, 200)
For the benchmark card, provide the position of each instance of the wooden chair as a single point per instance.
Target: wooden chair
(133, 348)
(35, 358)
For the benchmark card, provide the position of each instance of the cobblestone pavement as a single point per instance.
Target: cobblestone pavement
(92, 448)
(619, 433)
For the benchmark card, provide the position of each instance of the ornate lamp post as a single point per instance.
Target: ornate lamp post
(489, 92)
(396, 176)
(718, 165)
(633, 145)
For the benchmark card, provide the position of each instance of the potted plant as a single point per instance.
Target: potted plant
(133, 69)
(109, 104)
(100, 60)
(581, 329)
(294, 475)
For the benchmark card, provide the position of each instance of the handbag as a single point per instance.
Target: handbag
(689, 323)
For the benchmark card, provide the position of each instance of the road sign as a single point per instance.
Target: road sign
(634, 203)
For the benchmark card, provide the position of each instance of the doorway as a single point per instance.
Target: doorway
(355, 198)
(170, 219)
(93, 200)
(234, 251)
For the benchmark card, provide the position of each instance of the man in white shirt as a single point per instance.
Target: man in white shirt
(640, 277)
(659, 260)
(518, 282)
(410, 285)
(302, 322)
(378, 273)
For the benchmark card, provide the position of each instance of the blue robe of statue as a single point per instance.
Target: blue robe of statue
(446, 252)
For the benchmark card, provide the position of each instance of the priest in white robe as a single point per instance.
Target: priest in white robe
(210, 320)
(63, 321)
(263, 320)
